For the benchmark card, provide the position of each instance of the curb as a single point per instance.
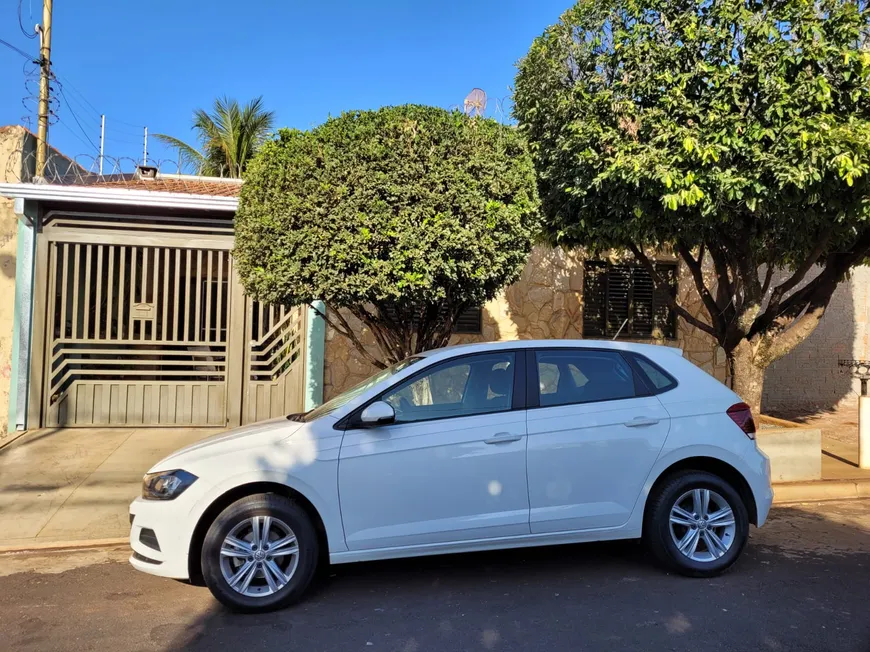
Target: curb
(818, 490)
(54, 546)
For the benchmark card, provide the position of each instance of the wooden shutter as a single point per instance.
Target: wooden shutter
(642, 320)
(623, 299)
(469, 321)
(619, 285)
(595, 299)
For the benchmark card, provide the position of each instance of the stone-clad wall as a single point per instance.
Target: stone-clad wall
(546, 303)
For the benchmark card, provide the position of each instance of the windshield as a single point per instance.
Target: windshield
(347, 396)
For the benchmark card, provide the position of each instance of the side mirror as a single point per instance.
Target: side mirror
(378, 413)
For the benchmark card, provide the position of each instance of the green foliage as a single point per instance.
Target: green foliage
(735, 125)
(229, 137)
(405, 216)
(653, 119)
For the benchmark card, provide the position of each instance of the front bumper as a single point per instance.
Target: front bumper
(171, 526)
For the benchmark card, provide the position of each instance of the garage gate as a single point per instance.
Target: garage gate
(146, 324)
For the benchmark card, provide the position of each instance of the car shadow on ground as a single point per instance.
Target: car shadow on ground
(787, 592)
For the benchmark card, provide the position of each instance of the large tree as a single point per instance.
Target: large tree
(402, 217)
(229, 137)
(734, 133)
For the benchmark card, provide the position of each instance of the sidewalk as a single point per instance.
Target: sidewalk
(59, 486)
(841, 476)
(74, 484)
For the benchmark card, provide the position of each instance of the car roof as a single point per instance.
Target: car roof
(483, 347)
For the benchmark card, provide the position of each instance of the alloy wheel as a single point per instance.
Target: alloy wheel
(702, 525)
(259, 556)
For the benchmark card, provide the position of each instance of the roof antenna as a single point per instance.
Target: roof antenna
(475, 102)
(624, 322)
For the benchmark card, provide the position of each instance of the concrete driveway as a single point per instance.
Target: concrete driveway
(71, 484)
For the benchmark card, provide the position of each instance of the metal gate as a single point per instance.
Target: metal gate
(138, 335)
(275, 361)
(149, 326)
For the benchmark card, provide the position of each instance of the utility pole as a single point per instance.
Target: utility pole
(44, 78)
(102, 140)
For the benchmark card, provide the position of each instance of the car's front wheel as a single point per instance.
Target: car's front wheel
(260, 554)
(696, 524)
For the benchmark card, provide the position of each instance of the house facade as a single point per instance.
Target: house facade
(121, 306)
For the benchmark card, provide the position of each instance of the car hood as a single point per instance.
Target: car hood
(255, 434)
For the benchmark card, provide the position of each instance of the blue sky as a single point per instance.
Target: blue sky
(151, 63)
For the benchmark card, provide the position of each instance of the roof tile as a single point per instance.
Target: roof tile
(216, 188)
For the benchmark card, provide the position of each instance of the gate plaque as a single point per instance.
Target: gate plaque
(144, 311)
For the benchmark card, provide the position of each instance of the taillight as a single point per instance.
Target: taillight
(741, 414)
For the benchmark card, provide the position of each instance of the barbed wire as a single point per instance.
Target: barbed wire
(117, 172)
(124, 171)
(70, 109)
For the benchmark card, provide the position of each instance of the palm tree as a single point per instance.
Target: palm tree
(229, 137)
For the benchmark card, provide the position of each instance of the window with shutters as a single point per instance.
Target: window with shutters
(469, 321)
(622, 299)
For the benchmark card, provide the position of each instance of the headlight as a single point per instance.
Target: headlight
(166, 485)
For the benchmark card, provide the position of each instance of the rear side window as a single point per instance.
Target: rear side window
(567, 377)
(657, 379)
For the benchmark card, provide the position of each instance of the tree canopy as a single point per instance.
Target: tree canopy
(404, 216)
(734, 132)
(229, 137)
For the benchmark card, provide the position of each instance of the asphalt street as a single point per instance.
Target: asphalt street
(803, 584)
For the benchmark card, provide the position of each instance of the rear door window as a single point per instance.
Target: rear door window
(568, 377)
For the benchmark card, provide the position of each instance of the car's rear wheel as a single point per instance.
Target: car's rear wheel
(696, 524)
(260, 554)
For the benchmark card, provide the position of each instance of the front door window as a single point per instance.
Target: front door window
(480, 384)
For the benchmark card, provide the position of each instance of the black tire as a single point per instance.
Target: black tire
(277, 507)
(657, 527)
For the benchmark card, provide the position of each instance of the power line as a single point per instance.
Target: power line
(85, 106)
(18, 50)
(124, 141)
(73, 114)
(129, 124)
(112, 132)
(68, 83)
(97, 113)
(21, 24)
(69, 129)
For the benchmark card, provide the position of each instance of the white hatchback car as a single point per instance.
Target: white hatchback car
(466, 448)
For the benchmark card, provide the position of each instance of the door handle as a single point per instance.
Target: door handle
(502, 438)
(641, 421)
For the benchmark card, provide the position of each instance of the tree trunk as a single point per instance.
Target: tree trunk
(747, 379)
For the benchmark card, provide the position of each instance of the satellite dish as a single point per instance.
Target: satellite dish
(475, 102)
